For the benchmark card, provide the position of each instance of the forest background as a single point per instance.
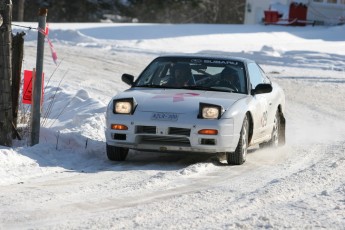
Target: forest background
(145, 11)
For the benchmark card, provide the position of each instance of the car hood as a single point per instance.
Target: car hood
(177, 100)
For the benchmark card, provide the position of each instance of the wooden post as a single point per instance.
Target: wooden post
(37, 83)
(17, 60)
(6, 73)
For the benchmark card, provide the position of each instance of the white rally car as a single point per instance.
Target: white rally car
(195, 103)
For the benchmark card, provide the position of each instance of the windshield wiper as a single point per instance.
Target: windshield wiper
(198, 87)
(191, 87)
(151, 86)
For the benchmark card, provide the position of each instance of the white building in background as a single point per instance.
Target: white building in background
(319, 11)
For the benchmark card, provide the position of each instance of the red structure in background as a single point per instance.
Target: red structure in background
(271, 16)
(297, 16)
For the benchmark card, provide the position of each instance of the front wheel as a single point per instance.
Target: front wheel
(239, 156)
(116, 153)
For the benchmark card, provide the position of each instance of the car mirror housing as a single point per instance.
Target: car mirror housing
(128, 79)
(262, 88)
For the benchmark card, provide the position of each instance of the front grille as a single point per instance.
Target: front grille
(142, 129)
(179, 131)
(165, 140)
(146, 129)
(208, 141)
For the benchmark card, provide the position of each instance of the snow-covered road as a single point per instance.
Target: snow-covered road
(66, 182)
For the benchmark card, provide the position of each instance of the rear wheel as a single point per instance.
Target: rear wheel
(274, 142)
(116, 153)
(239, 156)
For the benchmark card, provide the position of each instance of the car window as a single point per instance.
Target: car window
(195, 73)
(149, 76)
(257, 76)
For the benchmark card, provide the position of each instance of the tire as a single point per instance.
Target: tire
(239, 156)
(274, 142)
(116, 153)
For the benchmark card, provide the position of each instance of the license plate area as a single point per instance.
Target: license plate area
(159, 116)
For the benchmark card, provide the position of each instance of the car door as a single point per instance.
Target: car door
(272, 104)
(261, 103)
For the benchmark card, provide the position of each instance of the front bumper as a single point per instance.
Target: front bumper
(171, 136)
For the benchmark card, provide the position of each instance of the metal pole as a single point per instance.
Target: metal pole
(37, 83)
(6, 73)
(21, 5)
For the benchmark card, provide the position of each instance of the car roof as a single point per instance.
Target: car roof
(208, 56)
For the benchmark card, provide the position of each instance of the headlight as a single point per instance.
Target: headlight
(209, 111)
(124, 106)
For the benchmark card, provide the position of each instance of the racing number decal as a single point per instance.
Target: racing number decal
(264, 119)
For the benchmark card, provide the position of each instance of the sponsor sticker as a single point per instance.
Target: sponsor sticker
(196, 61)
(222, 62)
(164, 116)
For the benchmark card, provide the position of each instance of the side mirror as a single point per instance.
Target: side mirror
(262, 88)
(128, 79)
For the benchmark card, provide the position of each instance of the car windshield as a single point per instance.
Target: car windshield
(195, 74)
